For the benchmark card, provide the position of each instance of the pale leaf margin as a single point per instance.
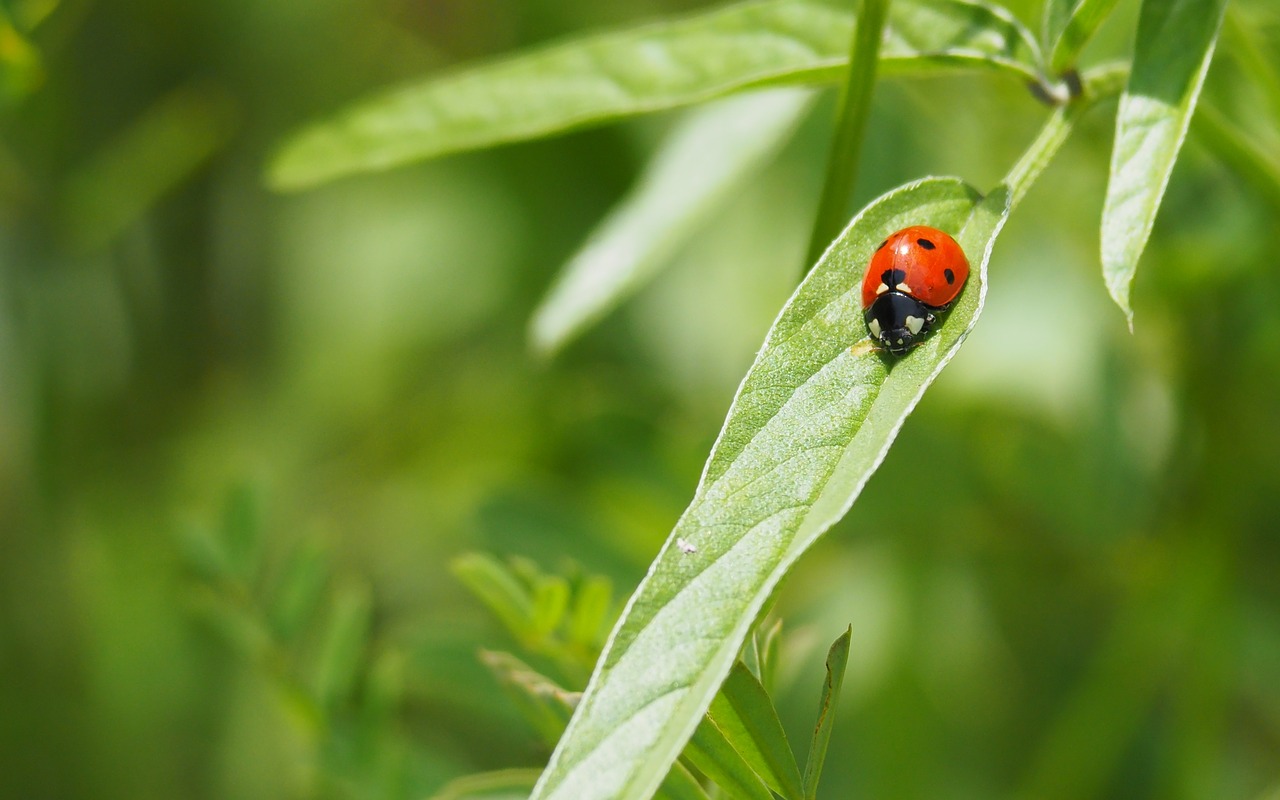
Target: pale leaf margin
(1174, 46)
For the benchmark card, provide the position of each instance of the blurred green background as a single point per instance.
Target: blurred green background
(1064, 581)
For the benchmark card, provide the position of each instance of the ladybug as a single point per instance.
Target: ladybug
(913, 276)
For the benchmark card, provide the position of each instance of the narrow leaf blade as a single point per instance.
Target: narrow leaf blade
(837, 660)
(710, 752)
(499, 589)
(1174, 46)
(699, 166)
(641, 70)
(745, 715)
(811, 422)
(506, 784)
(1070, 25)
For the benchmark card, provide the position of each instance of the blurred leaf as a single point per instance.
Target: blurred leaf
(159, 151)
(745, 715)
(853, 117)
(768, 648)
(1171, 56)
(505, 784)
(1068, 27)
(710, 752)
(342, 647)
(706, 157)
(1252, 163)
(499, 589)
(644, 69)
(591, 604)
(384, 686)
(811, 422)
(550, 601)
(301, 586)
(21, 70)
(543, 703)
(242, 531)
(837, 660)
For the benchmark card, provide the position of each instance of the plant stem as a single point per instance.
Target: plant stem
(851, 126)
(1103, 82)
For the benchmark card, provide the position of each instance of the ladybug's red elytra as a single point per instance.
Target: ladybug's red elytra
(914, 275)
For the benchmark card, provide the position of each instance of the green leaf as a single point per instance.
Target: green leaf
(550, 601)
(543, 703)
(745, 715)
(811, 422)
(699, 166)
(505, 784)
(343, 646)
(710, 752)
(499, 589)
(837, 660)
(641, 70)
(301, 587)
(1171, 56)
(591, 603)
(1068, 27)
(681, 785)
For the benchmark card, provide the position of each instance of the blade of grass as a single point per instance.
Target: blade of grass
(649, 68)
(837, 660)
(1175, 42)
(711, 753)
(852, 118)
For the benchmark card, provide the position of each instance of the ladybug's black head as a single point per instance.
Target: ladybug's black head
(898, 322)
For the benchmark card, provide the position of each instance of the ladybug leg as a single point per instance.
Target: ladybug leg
(863, 347)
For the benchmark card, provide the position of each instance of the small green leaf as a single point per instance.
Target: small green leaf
(505, 784)
(710, 752)
(543, 703)
(550, 601)
(499, 589)
(591, 604)
(811, 422)
(770, 643)
(837, 660)
(745, 715)
(301, 587)
(343, 646)
(1171, 56)
(701, 163)
(641, 70)
(1068, 27)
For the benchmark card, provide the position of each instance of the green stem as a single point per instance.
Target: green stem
(851, 126)
(1103, 82)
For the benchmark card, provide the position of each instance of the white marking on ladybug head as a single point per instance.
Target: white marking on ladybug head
(874, 327)
(903, 287)
(881, 289)
(899, 341)
(914, 324)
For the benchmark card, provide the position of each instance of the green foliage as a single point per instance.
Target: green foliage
(1171, 57)
(661, 66)
(702, 162)
(1061, 583)
(739, 745)
(837, 661)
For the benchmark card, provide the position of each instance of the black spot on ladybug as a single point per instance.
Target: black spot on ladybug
(892, 277)
(882, 244)
(949, 275)
(925, 243)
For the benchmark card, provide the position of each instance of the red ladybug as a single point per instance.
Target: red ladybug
(914, 275)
